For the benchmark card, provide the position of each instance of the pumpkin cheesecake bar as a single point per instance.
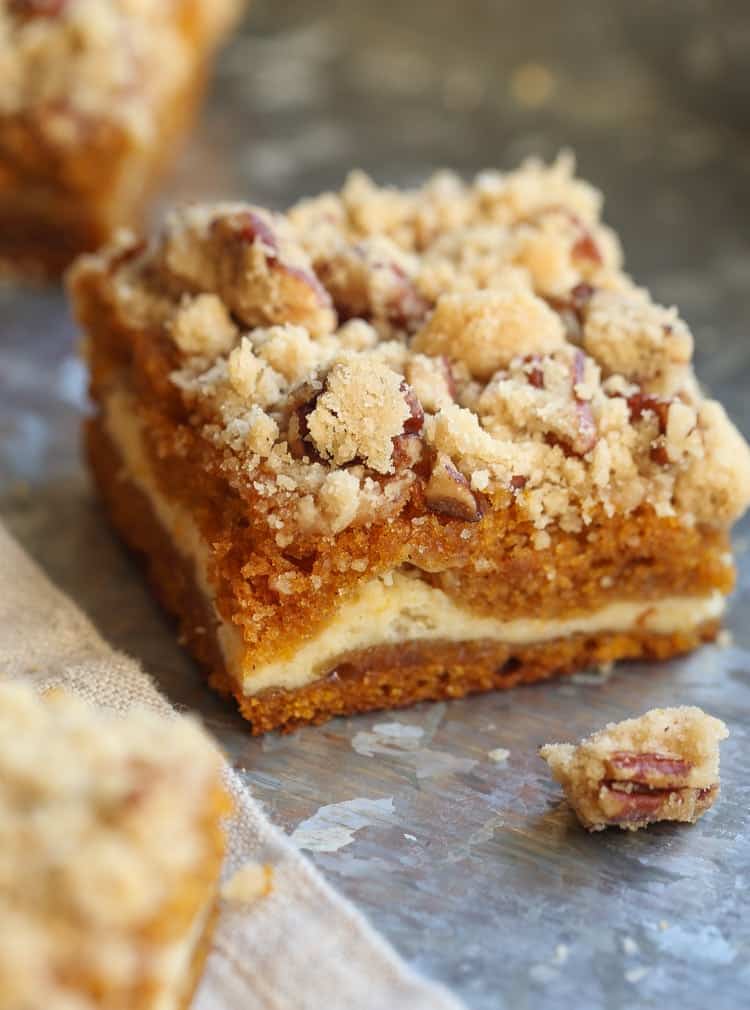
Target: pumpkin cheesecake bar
(402, 445)
(111, 843)
(94, 95)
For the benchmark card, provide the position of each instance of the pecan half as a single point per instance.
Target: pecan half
(659, 771)
(449, 493)
(621, 807)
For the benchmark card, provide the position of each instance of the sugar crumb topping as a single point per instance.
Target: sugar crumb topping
(373, 344)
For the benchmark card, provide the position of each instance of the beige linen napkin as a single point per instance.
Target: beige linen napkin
(304, 947)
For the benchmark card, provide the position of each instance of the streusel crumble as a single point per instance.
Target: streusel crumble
(94, 95)
(110, 851)
(662, 766)
(395, 445)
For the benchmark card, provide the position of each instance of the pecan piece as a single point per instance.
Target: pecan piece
(573, 308)
(415, 420)
(250, 226)
(449, 493)
(37, 8)
(658, 771)
(643, 403)
(635, 807)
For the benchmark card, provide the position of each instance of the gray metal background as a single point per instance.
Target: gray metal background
(474, 870)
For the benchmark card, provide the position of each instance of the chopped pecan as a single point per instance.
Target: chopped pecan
(450, 378)
(648, 769)
(405, 308)
(518, 482)
(249, 226)
(586, 248)
(642, 403)
(37, 8)
(407, 451)
(621, 807)
(301, 404)
(572, 309)
(535, 372)
(415, 420)
(449, 493)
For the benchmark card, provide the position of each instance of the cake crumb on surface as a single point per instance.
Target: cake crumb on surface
(251, 882)
(663, 765)
(499, 754)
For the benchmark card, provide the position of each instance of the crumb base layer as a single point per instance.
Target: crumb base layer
(388, 676)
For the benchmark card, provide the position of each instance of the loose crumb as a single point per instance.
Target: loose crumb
(663, 765)
(251, 882)
(499, 754)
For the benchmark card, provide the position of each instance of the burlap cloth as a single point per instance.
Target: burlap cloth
(304, 946)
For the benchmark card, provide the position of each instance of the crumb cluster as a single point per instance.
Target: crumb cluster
(107, 847)
(663, 765)
(458, 346)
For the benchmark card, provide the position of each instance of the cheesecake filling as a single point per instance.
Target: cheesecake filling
(394, 608)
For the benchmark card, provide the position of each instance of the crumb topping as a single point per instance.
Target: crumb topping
(69, 60)
(375, 347)
(102, 822)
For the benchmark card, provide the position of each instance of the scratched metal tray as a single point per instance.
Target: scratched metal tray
(472, 867)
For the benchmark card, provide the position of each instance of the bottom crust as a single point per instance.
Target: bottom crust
(390, 676)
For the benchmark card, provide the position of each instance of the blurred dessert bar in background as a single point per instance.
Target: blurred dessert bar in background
(111, 846)
(95, 96)
(403, 445)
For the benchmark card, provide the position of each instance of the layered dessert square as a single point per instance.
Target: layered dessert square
(94, 96)
(403, 445)
(110, 850)
(662, 766)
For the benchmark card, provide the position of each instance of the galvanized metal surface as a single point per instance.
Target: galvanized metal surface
(471, 866)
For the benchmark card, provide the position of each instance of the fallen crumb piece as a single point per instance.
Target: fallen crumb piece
(634, 975)
(629, 945)
(499, 754)
(663, 925)
(725, 639)
(662, 766)
(561, 953)
(251, 882)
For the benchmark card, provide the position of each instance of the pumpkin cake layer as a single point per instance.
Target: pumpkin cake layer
(95, 96)
(404, 445)
(112, 848)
